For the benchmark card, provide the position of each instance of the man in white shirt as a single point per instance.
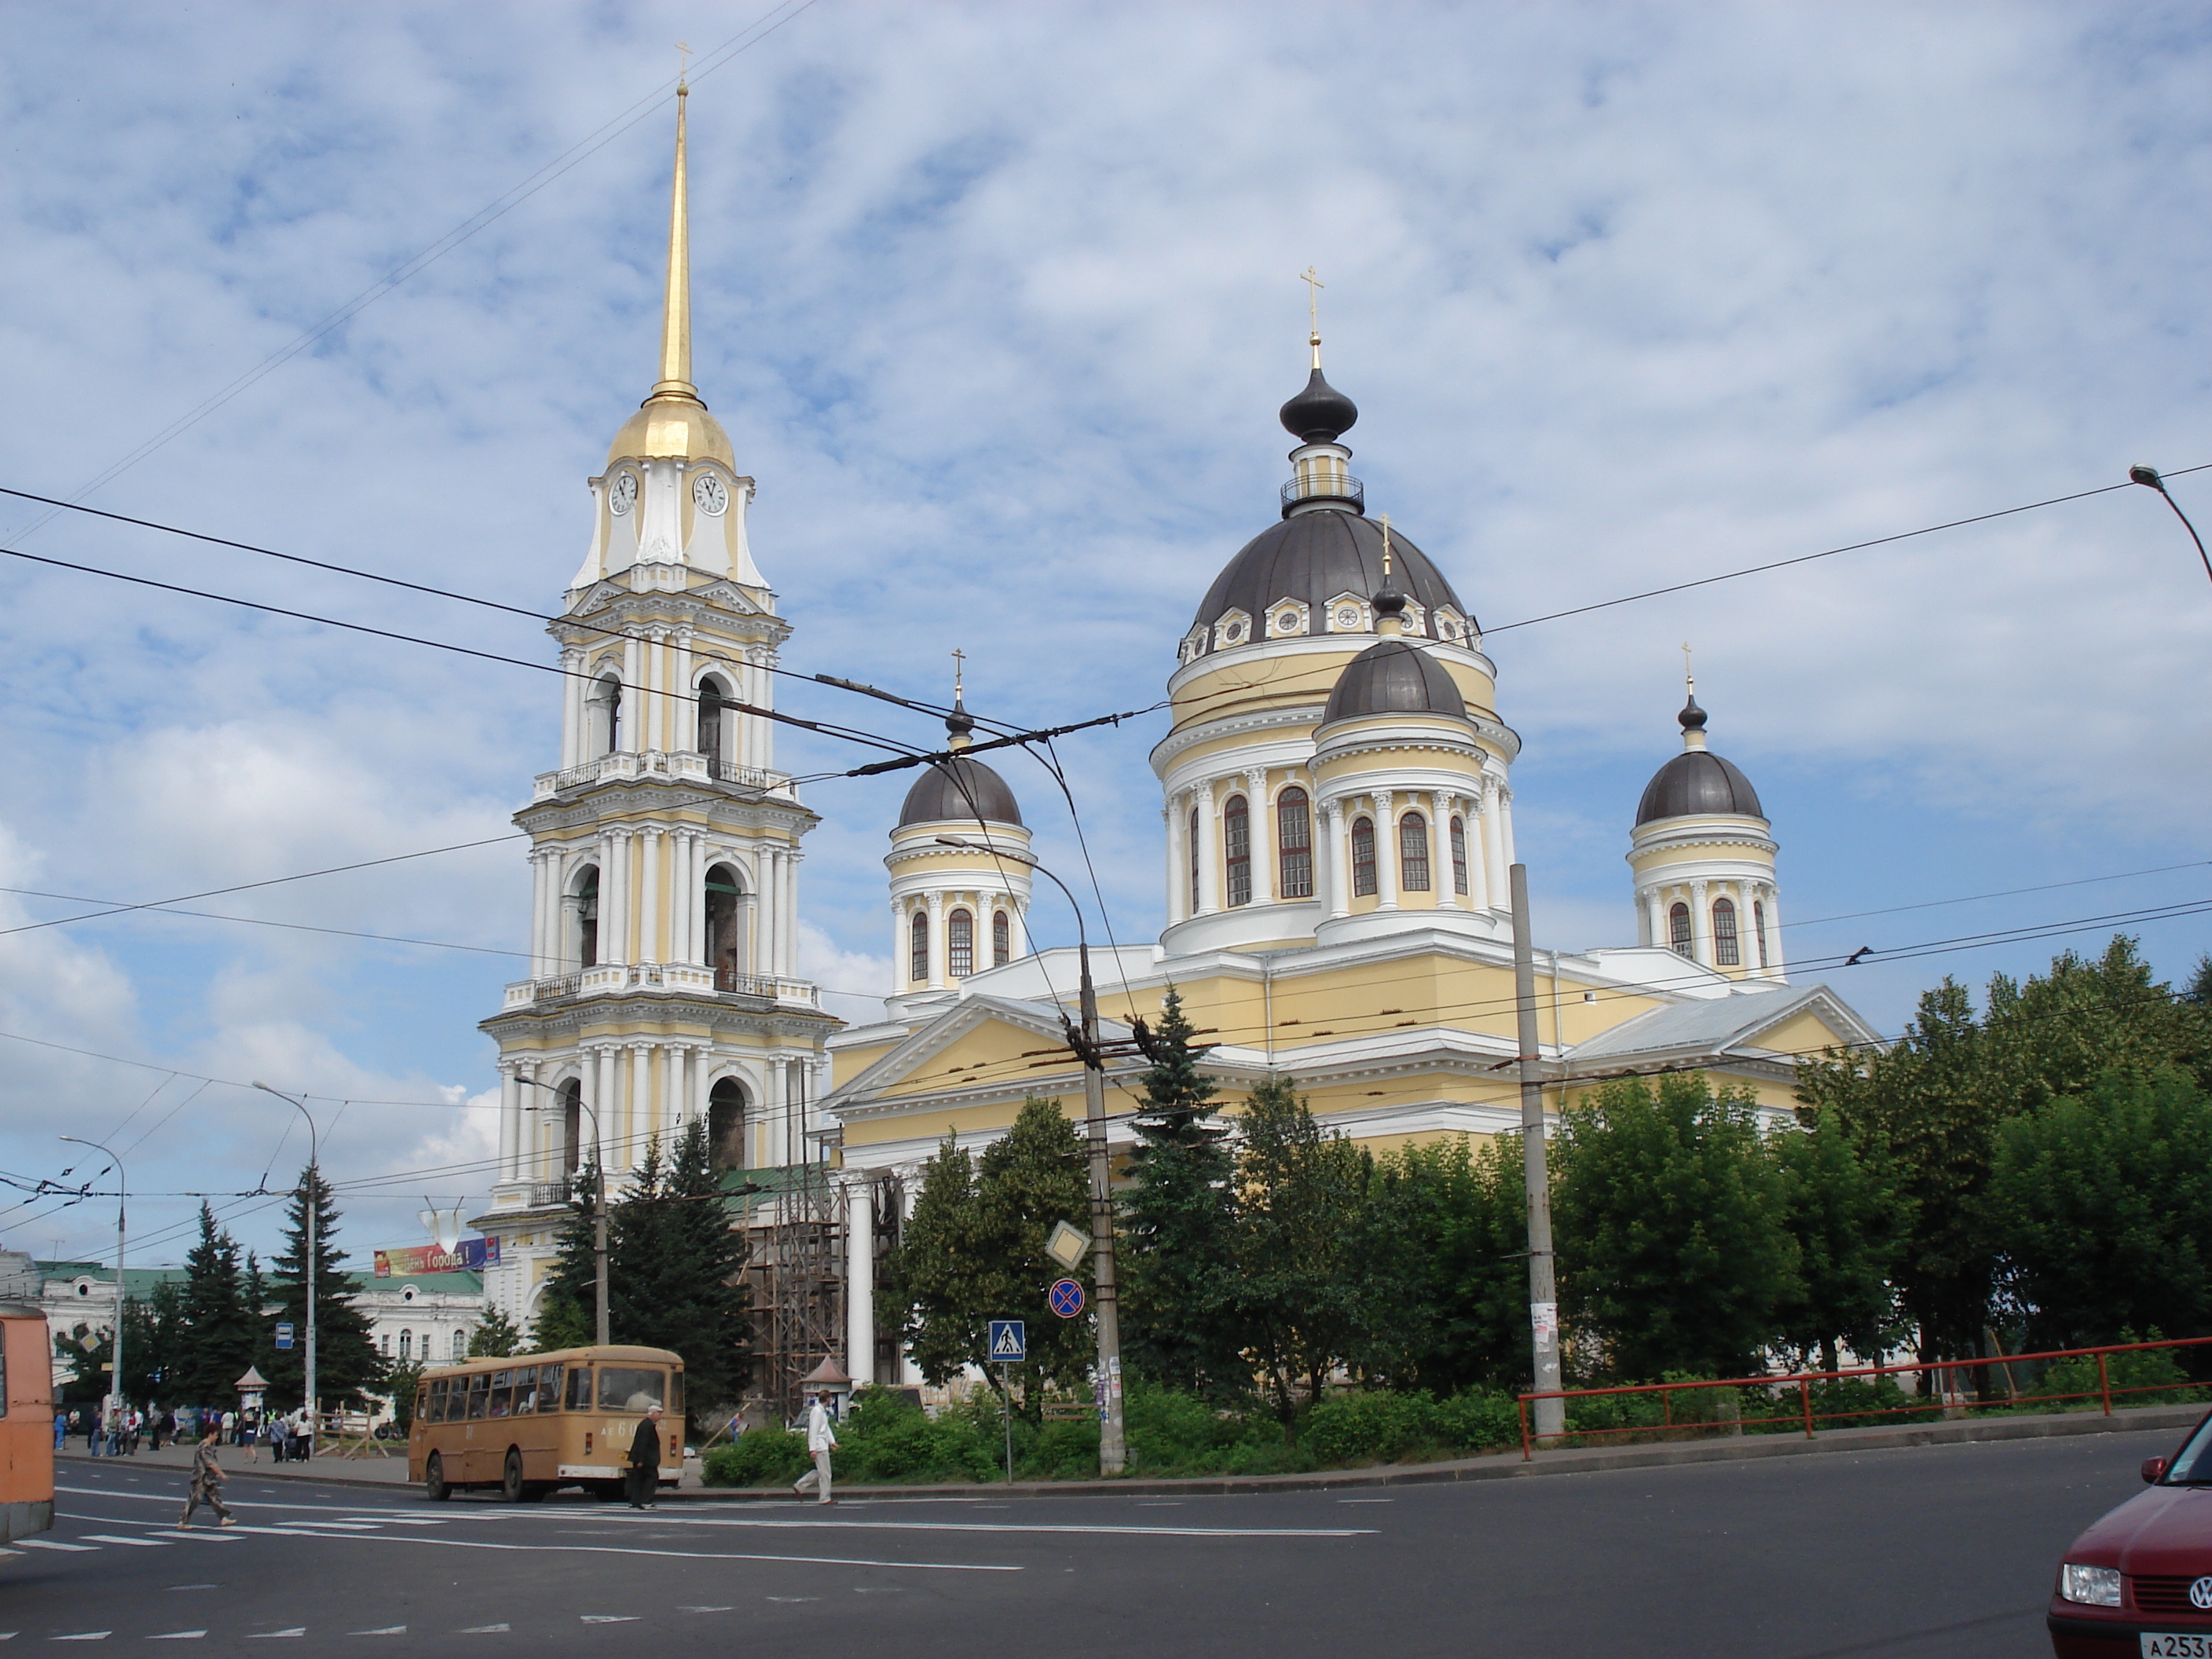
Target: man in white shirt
(821, 1440)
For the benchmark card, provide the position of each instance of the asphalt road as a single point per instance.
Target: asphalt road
(1928, 1551)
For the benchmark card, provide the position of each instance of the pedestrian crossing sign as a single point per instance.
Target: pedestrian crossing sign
(1009, 1341)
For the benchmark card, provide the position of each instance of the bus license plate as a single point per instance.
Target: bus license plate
(2175, 1646)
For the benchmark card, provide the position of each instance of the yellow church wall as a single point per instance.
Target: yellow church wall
(1726, 830)
(846, 1064)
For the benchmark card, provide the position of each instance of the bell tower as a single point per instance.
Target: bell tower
(665, 847)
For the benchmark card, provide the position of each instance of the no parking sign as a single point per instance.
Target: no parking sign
(1067, 1298)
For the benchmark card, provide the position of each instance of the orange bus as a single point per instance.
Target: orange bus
(27, 1422)
(533, 1423)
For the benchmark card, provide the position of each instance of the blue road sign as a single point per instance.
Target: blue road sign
(284, 1336)
(1067, 1298)
(1009, 1341)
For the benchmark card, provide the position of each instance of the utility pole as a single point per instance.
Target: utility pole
(315, 1180)
(1543, 1289)
(122, 1188)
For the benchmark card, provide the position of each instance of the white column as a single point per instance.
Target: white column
(936, 941)
(1386, 852)
(614, 896)
(683, 893)
(1655, 918)
(1262, 820)
(599, 1081)
(702, 1081)
(1019, 913)
(1338, 851)
(861, 1283)
(685, 709)
(902, 949)
(788, 932)
(574, 738)
(1441, 885)
(510, 1124)
(1171, 825)
(1209, 856)
(1493, 843)
(633, 676)
(764, 916)
(1775, 963)
(771, 1115)
(640, 1116)
(539, 948)
(1701, 926)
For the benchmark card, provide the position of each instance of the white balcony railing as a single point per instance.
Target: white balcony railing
(690, 978)
(655, 765)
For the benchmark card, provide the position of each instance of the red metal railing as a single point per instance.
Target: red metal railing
(1945, 1394)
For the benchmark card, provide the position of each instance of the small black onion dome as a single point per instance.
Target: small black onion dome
(1388, 603)
(959, 723)
(1695, 782)
(1692, 717)
(1395, 676)
(959, 788)
(1320, 413)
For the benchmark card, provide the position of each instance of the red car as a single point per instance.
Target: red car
(2139, 1582)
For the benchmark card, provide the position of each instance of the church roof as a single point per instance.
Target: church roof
(959, 788)
(1393, 677)
(1695, 782)
(1317, 556)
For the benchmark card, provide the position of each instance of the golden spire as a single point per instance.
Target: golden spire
(1314, 286)
(676, 315)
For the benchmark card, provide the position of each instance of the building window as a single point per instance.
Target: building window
(725, 926)
(1759, 929)
(1459, 854)
(1724, 946)
(960, 944)
(1363, 856)
(460, 1345)
(572, 1125)
(918, 966)
(588, 918)
(384, 1345)
(1294, 836)
(1678, 928)
(711, 698)
(1236, 843)
(1002, 939)
(606, 715)
(725, 1124)
(1413, 853)
(1190, 841)
(406, 1347)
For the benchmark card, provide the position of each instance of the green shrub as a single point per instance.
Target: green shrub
(1866, 1404)
(1479, 1419)
(1174, 1433)
(2152, 1379)
(1369, 1428)
(763, 1457)
(886, 1437)
(1060, 1451)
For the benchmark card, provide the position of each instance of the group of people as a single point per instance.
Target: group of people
(115, 1432)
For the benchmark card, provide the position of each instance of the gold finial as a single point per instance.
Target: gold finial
(1386, 550)
(1689, 679)
(1314, 286)
(676, 315)
(959, 669)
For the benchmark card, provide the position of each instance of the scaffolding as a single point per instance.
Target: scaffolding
(797, 1276)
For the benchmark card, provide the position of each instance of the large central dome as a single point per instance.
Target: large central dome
(1313, 557)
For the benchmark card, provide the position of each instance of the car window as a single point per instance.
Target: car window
(631, 1387)
(2194, 1461)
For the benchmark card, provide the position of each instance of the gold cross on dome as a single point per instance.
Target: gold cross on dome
(1688, 678)
(959, 668)
(1314, 286)
(684, 69)
(1386, 547)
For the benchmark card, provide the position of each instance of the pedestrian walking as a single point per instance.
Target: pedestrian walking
(207, 1481)
(277, 1437)
(92, 1430)
(821, 1441)
(303, 1435)
(645, 1461)
(114, 1427)
(61, 1429)
(249, 1434)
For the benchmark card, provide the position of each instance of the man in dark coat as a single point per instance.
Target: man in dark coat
(645, 1461)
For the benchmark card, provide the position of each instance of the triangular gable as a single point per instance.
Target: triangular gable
(986, 1030)
(1776, 1024)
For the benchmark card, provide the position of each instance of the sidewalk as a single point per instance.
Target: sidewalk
(349, 1471)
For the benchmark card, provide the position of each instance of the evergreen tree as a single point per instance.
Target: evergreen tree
(1176, 1257)
(1303, 1305)
(1674, 1247)
(218, 1336)
(495, 1337)
(567, 1313)
(1446, 1244)
(152, 1349)
(347, 1364)
(404, 1384)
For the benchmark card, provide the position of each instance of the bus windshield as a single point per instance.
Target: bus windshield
(632, 1388)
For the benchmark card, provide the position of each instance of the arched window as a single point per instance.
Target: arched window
(1002, 939)
(1294, 837)
(1190, 841)
(1363, 855)
(1759, 929)
(711, 698)
(725, 1124)
(606, 715)
(406, 1346)
(960, 944)
(572, 1126)
(460, 1344)
(918, 959)
(1413, 853)
(1725, 952)
(1678, 928)
(1237, 847)
(588, 918)
(1459, 854)
(725, 928)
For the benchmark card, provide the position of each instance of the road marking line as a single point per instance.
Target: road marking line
(262, 1635)
(482, 1630)
(53, 1544)
(1102, 1530)
(87, 1635)
(177, 1635)
(278, 1532)
(199, 1537)
(381, 1629)
(794, 1598)
(707, 1609)
(608, 1618)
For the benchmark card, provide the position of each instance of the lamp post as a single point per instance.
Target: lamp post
(2149, 478)
(315, 1178)
(1113, 1440)
(122, 1187)
(600, 1325)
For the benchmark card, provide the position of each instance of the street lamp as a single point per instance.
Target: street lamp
(314, 1176)
(122, 1187)
(2149, 478)
(599, 1211)
(1113, 1440)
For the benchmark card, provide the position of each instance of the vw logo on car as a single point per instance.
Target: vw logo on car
(2200, 1594)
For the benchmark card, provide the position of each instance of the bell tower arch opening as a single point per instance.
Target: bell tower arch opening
(713, 701)
(725, 927)
(583, 939)
(725, 1124)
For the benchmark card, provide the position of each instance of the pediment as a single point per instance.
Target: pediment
(979, 1031)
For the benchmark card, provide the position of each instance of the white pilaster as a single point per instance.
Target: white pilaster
(510, 1124)
(633, 676)
(1209, 856)
(1338, 850)
(1701, 927)
(861, 1283)
(1386, 851)
(685, 708)
(640, 1117)
(1262, 820)
(936, 941)
(573, 735)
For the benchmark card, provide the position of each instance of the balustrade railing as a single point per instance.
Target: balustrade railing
(656, 763)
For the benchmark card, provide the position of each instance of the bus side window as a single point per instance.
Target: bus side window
(423, 1405)
(502, 1394)
(580, 1388)
(479, 1387)
(434, 1401)
(548, 1387)
(676, 1393)
(526, 1390)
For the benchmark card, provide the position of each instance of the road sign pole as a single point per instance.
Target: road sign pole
(1543, 1292)
(1113, 1442)
(1006, 1392)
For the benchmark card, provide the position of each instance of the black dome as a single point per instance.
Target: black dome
(1320, 413)
(1393, 677)
(1315, 556)
(1697, 781)
(959, 788)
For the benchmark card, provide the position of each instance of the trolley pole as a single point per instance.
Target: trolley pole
(314, 1180)
(115, 1354)
(1112, 1434)
(1543, 1290)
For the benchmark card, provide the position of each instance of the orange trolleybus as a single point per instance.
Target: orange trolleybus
(531, 1423)
(27, 1422)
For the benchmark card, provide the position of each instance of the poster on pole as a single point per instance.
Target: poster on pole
(468, 1255)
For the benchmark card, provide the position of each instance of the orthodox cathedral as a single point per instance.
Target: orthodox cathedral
(1337, 816)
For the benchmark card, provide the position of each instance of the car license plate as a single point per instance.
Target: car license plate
(2155, 1646)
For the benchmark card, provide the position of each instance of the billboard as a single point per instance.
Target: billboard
(469, 1255)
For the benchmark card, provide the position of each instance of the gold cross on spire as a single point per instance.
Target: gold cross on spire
(1386, 550)
(683, 68)
(959, 669)
(1688, 678)
(1314, 286)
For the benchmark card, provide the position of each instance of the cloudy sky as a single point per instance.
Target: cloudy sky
(997, 303)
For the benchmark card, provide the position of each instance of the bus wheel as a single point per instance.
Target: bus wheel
(434, 1479)
(511, 1487)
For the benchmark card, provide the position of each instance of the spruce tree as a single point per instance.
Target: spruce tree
(678, 1276)
(567, 1313)
(217, 1334)
(1176, 1254)
(347, 1364)
(495, 1336)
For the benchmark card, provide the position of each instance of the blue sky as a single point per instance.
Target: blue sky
(997, 303)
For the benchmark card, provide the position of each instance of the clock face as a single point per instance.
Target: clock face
(710, 493)
(622, 495)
